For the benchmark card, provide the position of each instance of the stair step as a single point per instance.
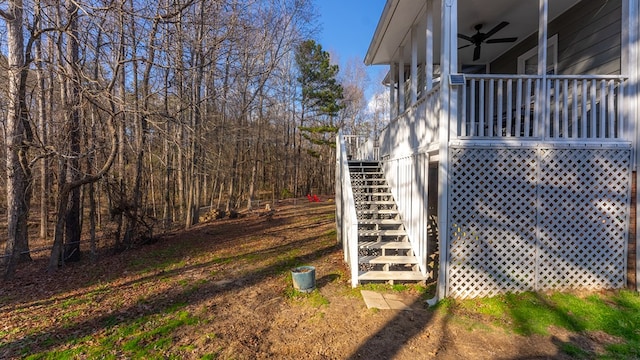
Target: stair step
(369, 186)
(380, 222)
(401, 245)
(377, 202)
(388, 259)
(359, 164)
(391, 275)
(377, 211)
(364, 162)
(367, 173)
(382, 232)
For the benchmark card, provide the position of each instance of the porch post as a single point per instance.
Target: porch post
(428, 63)
(414, 66)
(541, 103)
(401, 94)
(448, 114)
(630, 64)
(393, 106)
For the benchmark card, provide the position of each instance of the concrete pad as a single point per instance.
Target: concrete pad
(397, 305)
(384, 301)
(374, 300)
(398, 297)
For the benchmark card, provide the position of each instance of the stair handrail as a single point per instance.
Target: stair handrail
(346, 216)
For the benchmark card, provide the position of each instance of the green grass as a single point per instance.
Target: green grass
(617, 314)
(317, 300)
(160, 259)
(398, 288)
(574, 351)
(147, 337)
(314, 298)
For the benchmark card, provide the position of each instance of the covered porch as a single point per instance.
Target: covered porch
(564, 75)
(512, 138)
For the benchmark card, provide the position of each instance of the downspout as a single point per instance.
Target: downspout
(449, 64)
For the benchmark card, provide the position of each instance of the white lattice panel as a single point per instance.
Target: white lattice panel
(584, 210)
(537, 219)
(492, 216)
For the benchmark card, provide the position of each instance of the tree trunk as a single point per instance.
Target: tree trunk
(73, 231)
(18, 174)
(42, 130)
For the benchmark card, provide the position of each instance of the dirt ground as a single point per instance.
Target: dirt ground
(233, 276)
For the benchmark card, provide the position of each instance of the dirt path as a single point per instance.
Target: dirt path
(223, 290)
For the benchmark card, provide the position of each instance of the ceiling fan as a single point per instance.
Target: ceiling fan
(478, 38)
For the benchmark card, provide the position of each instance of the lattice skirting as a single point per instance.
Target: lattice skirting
(537, 219)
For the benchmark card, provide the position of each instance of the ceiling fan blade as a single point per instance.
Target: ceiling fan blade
(502, 40)
(476, 53)
(465, 37)
(496, 29)
(465, 46)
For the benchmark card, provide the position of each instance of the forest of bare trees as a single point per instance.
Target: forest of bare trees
(121, 117)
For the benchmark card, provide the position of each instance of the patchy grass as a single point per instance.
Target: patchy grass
(224, 291)
(614, 313)
(145, 338)
(397, 288)
(314, 298)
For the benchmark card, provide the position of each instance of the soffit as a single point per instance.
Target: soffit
(399, 16)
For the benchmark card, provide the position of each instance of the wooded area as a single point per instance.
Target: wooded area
(125, 116)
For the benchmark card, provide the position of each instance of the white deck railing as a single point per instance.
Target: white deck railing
(562, 107)
(408, 179)
(410, 131)
(346, 217)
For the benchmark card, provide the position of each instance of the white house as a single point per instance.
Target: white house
(509, 161)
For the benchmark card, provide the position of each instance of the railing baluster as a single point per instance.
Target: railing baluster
(509, 105)
(574, 106)
(585, 105)
(547, 111)
(527, 109)
(620, 100)
(499, 111)
(490, 106)
(594, 110)
(465, 125)
(481, 108)
(519, 108)
(472, 107)
(565, 108)
(603, 109)
(611, 119)
(556, 106)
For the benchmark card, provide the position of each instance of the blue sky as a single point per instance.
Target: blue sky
(347, 28)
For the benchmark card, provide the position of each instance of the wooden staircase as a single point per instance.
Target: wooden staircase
(385, 254)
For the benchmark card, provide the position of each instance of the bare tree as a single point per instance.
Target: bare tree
(18, 134)
(193, 101)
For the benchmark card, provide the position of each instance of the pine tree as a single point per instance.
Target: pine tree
(321, 95)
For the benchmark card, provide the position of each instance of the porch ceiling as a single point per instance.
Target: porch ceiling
(394, 27)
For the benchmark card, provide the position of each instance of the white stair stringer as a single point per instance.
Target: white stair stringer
(385, 253)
